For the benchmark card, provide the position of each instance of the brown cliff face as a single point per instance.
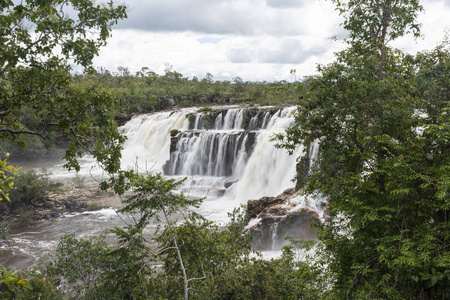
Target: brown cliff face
(279, 217)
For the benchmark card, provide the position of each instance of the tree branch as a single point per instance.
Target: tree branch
(14, 132)
(5, 112)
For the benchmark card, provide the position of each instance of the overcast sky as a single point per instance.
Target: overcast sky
(256, 40)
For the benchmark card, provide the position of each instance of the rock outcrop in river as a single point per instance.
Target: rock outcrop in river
(271, 219)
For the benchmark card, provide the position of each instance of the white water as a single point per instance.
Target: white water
(228, 165)
(209, 158)
(269, 170)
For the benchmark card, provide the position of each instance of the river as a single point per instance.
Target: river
(226, 156)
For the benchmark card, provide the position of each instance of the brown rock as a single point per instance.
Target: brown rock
(279, 219)
(173, 144)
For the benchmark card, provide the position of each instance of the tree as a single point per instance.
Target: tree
(372, 25)
(380, 119)
(154, 199)
(41, 40)
(192, 252)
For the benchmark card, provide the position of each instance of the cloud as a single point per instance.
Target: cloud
(243, 17)
(250, 58)
(288, 51)
(285, 3)
(254, 39)
(240, 55)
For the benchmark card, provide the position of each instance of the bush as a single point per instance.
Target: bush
(42, 288)
(79, 181)
(31, 188)
(26, 218)
(5, 237)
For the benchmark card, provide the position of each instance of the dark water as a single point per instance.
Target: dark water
(32, 247)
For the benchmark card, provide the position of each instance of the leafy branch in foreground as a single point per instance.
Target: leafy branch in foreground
(380, 118)
(13, 281)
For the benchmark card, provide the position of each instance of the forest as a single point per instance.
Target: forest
(379, 115)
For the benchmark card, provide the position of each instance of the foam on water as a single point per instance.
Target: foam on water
(242, 163)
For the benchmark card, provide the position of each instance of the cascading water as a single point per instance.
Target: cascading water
(225, 154)
(274, 236)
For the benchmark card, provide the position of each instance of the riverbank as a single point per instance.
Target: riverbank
(71, 199)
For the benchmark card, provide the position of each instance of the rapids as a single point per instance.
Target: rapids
(225, 155)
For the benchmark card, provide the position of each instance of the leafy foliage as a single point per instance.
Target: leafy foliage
(198, 258)
(42, 288)
(13, 281)
(30, 189)
(380, 118)
(7, 173)
(147, 91)
(93, 269)
(37, 95)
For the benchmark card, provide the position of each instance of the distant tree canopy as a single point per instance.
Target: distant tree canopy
(145, 91)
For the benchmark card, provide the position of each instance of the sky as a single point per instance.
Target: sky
(257, 40)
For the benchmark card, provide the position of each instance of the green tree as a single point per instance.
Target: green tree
(154, 199)
(94, 270)
(41, 41)
(380, 119)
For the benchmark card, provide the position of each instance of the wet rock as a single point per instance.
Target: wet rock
(229, 182)
(173, 144)
(278, 217)
(220, 192)
(302, 171)
(71, 199)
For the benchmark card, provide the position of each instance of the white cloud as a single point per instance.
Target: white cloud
(243, 17)
(286, 3)
(252, 39)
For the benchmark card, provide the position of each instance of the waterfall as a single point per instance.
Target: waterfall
(274, 229)
(148, 139)
(226, 153)
(269, 171)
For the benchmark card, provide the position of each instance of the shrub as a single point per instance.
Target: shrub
(42, 288)
(204, 109)
(26, 218)
(5, 237)
(79, 181)
(31, 188)
(174, 132)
